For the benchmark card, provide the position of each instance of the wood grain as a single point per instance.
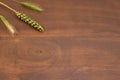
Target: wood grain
(81, 41)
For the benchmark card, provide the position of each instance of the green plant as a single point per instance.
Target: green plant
(25, 18)
(11, 29)
(31, 6)
(29, 21)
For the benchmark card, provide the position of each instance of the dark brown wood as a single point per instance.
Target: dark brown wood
(81, 41)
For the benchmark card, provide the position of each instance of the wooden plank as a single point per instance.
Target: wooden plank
(81, 42)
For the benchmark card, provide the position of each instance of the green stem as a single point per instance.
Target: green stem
(9, 7)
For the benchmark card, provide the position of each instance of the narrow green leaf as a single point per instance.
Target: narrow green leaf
(11, 29)
(32, 6)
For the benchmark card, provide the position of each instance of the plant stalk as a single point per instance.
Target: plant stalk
(9, 8)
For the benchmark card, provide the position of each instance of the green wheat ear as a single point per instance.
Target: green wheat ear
(25, 18)
(29, 21)
(31, 6)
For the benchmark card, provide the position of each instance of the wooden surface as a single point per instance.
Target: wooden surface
(81, 41)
